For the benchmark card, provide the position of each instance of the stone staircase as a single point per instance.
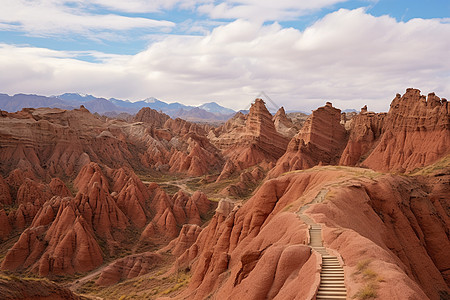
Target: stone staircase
(332, 286)
(332, 274)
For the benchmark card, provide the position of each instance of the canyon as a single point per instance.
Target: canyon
(152, 207)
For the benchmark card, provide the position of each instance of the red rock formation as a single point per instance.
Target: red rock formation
(5, 226)
(258, 226)
(249, 140)
(283, 124)
(320, 141)
(416, 133)
(58, 188)
(66, 247)
(396, 224)
(15, 179)
(24, 215)
(365, 131)
(248, 180)
(33, 192)
(151, 116)
(131, 196)
(196, 157)
(58, 142)
(391, 224)
(129, 267)
(171, 213)
(5, 196)
(181, 127)
(88, 175)
(187, 237)
(62, 237)
(179, 147)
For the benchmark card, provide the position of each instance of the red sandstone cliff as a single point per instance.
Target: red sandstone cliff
(365, 130)
(249, 140)
(321, 140)
(416, 133)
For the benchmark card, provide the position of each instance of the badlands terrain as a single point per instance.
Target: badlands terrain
(337, 206)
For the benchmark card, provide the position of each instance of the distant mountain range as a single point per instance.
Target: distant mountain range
(111, 107)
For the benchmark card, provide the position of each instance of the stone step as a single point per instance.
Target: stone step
(331, 275)
(332, 289)
(328, 297)
(336, 284)
(332, 293)
(330, 281)
(333, 280)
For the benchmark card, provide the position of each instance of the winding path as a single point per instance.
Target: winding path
(332, 286)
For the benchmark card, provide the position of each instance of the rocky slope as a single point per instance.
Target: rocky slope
(398, 228)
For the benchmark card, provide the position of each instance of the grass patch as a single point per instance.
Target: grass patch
(362, 265)
(369, 274)
(181, 280)
(368, 291)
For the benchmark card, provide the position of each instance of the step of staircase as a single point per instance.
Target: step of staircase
(332, 292)
(327, 297)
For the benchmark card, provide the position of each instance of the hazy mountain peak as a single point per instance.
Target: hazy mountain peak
(215, 108)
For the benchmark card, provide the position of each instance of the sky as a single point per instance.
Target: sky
(301, 53)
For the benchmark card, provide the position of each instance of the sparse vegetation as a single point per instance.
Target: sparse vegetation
(436, 167)
(362, 265)
(370, 279)
(368, 291)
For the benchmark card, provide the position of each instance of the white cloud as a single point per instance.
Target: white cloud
(53, 18)
(349, 57)
(141, 6)
(264, 10)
